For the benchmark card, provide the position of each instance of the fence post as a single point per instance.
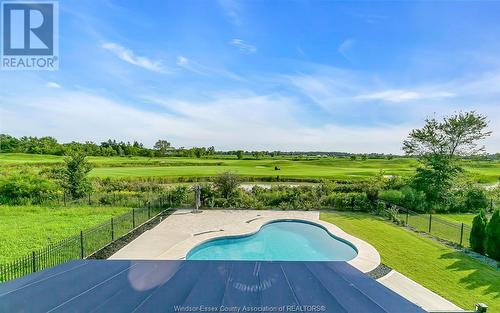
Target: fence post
(407, 213)
(149, 210)
(430, 222)
(33, 257)
(81, 243)
(133, 218)
(112, 230)
(89, 199)
(461, 234)
(64, 198)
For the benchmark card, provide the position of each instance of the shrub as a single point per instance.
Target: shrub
(493, 236)
(392, 196)
(226, 184)
(392, 213)
(379, 208)
(178, 196)
(26, 189)
(476, 199)
(478, 232)
(207, 196)
(346, 201)
(413, 199)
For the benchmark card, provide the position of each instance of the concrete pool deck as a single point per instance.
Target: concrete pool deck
(175, 236)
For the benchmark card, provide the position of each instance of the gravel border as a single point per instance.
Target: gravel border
(380, 271)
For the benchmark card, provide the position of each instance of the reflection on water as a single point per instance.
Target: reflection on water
(145, 275)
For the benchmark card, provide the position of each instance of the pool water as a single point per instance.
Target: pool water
(278, 241)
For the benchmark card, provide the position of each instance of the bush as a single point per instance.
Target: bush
(392, 196)
(226, 184)
(207, 196)
(493, 236)
(476, 200)
(478, 232)
(392, 213)
(26, 189)
(406, 197)
(178, 196)
(346, 201)
(413, 199)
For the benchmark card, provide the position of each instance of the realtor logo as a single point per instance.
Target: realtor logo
(30, 35)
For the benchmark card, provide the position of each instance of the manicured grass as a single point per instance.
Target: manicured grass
(335, 168)
(465, 218)
(27, 228)
(449, 273)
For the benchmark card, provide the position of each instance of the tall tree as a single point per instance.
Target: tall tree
(493, 236)
(477, 237)
(162, 146)
(73, 174)
(438, 144)
(456, 135)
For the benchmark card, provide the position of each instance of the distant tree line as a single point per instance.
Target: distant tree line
(49, 145)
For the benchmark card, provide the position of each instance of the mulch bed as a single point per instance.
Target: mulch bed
(121, 242)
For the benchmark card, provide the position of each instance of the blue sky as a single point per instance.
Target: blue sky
(265, 75)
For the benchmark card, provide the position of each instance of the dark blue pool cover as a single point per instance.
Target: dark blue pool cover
(200, 286)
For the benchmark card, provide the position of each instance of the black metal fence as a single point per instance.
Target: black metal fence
(458, 233)
(86, 243)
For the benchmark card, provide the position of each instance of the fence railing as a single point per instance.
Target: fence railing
(458, 233)
(86, 243)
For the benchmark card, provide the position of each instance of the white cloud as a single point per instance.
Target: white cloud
(233, 10)
(395, 95)
(345, 46)
(53, 85)
(243, 46)
(189, 65)
(129, 56)
(198, 68)
(244, 121)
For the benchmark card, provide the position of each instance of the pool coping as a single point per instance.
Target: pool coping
(366, 260)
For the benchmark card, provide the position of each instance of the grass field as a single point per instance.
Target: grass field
(465, 218)
(449, 273)
(334, 168)
(27, 228)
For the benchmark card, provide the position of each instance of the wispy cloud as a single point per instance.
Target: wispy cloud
(396, 95)
(190, 65)
(243, 46)
(201, 69)
(129, 56)
(232, 9)
(345, 46)
(53, 85)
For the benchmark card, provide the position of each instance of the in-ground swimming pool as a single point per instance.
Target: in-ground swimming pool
(278, 241)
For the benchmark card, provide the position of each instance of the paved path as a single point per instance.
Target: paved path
(180, 232)
(416, 293)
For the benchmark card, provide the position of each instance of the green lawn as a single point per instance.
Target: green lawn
(336, 168)
(465, 218)
(27, 228)
(449, 273)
